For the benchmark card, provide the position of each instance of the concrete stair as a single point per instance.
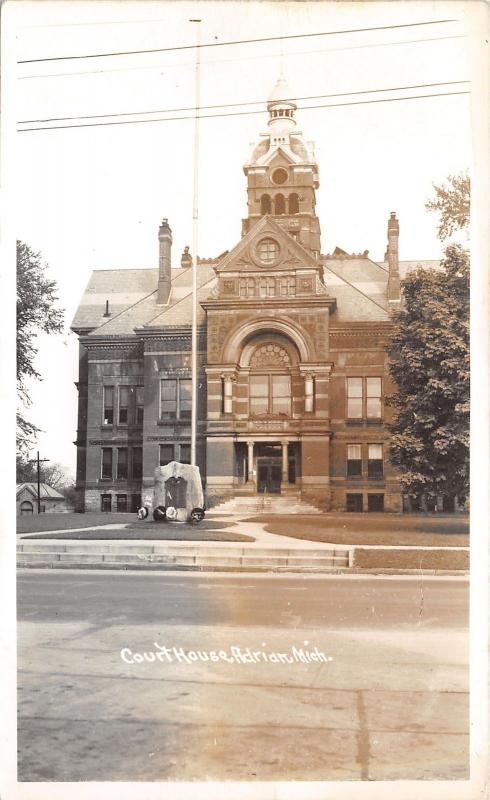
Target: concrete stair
(57, 553)
(265, 504)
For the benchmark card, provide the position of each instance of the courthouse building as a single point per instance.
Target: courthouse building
(293, 369)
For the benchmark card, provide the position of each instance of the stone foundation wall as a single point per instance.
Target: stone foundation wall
(319, 497)
(216, 495)
(92, 499)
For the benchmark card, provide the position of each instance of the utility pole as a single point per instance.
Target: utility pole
(39, 481)
(195, 245)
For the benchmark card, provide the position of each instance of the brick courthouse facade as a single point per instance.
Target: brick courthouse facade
(293, 369)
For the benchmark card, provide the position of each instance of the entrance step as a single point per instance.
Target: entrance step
(207, 558)
(266, 504)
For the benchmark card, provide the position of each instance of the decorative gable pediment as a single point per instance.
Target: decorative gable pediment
(267, 246)
(276, 156)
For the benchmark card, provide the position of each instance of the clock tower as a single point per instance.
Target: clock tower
(282, 175)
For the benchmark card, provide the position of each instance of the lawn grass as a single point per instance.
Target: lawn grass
(129, 527)
(63, 522)
(412, 559)
(151, 531)
(381, 529)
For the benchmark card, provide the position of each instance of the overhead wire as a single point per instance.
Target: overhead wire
(263, 56)
(235, 42)
(235, 105)
(237, 113)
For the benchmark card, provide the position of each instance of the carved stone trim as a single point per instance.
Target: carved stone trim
(270, 354)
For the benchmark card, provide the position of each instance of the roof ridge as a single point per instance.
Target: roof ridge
(129, 269)
(358, 290)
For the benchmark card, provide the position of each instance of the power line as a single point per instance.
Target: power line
(292, 54)
(237, 41)
(237, 113)
(235, 105)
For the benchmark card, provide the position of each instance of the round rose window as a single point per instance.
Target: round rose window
(280, 176)
(268, 251)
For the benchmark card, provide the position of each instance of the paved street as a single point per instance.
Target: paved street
(385, 699)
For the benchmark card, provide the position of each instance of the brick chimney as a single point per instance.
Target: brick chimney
(392, 258)
(164, 262)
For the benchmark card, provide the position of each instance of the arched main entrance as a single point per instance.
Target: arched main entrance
(269, 385)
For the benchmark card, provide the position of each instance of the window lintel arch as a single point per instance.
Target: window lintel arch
(239, 340)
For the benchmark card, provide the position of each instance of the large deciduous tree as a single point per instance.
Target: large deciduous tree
(36, 313)
(452, 203)
(430, 364)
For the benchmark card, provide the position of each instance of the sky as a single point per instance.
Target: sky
(93, 197)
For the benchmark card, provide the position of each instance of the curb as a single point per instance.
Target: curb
(276, 570)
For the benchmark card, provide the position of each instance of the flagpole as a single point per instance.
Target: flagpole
(195, 240)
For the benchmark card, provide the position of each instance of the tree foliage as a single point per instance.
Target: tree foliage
(430, 364)
(55, 475)
(452, 203)
(36, 313)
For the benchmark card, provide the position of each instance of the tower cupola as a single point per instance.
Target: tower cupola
(281, 109)
(282, 174)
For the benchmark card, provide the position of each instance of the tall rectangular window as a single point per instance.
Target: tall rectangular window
(108, 410)
(287, 286)
(375, 461)
(353, 503)
(364, 398)
(122, 502)
(281, 394)
(185, 454)
(185, 398)
(259, 394)
(354, 398)
(139, 404)
(270, 394)
(247, 287)
(168, 398)
(123, 405)
(105, 502)
(137, 462)
(106, 465)
(166, 454)
(354, 461)
(175, 398)
(373, 398)
(122, 463)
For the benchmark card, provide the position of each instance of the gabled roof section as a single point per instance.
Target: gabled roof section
(283, 151)
(180, 313)
(239, 257)
(132, 296)
(359, 285)
(147, 313)
(46, 492)
(122, 288)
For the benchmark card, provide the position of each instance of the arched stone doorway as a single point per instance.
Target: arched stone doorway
(269, 383)
(26, 508)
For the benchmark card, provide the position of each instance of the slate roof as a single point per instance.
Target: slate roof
(357, 283)
(121, 287)
(138, 308)
(46, 492)
(409, 266)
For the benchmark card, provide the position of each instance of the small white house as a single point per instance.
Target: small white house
(26, 498)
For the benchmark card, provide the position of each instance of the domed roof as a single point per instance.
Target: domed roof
(260, 150)
(299, 148)
(281, 93)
